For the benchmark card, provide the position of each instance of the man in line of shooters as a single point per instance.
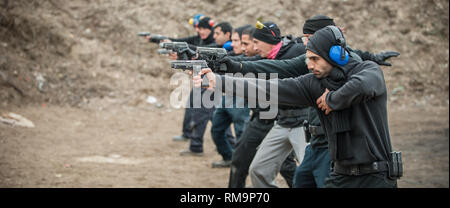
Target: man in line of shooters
(200, 47)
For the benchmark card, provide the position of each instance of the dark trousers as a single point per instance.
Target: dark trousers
(314, 169)
(200, 119)
(195, 122)
(374, 180)
(245, 150)
(188, 124)
(222, 119)
(287, 169)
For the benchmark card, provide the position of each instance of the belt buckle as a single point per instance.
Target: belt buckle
(375, 165)
(354, 170)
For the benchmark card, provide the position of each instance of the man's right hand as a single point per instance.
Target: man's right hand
(232, 66)
(197, 78)
(173, 55)
(149, 37)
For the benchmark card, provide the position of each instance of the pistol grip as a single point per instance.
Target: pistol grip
(183, 56)
(205, 82)
(223, 67)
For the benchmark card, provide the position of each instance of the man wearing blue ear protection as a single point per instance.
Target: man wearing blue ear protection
(351, 103)
(315, 166)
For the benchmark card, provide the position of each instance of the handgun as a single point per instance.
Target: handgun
(181, 48)
(195, 65)
(211, 56)
(163, 51)
(155, 38)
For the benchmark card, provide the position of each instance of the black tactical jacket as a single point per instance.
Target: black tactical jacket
(364, 94)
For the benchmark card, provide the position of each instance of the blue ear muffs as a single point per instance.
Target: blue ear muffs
(228, 46)
(336, 55)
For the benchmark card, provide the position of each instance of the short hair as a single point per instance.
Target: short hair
(241, 29)
(249, 31)
(225, 26)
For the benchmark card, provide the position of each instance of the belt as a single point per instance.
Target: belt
(293, 112)
(255, 115)
(316, 130)
(266, 121)
(356, 170)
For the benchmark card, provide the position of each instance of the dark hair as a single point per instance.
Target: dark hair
(225, 26)
(241, 29)
(249, 31)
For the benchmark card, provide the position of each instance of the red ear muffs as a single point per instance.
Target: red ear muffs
(211, 23)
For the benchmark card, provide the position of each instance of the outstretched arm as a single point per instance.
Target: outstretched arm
(290, 91)
(284, 68)
(379, 58)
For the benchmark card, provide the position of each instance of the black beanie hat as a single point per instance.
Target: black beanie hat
(316, 23)
(206, 22)
(321, 42)
(270, 33)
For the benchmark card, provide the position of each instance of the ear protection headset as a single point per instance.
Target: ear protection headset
(210, 22)
(338, 53)
(194, 21)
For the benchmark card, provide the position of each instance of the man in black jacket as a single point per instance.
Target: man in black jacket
(196, 119)
(192, 40)
(315, 167)
(351, 101)
(287, 135)
(307, 175)
(270, 45)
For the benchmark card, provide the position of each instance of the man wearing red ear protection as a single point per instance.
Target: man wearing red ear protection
(206, 31)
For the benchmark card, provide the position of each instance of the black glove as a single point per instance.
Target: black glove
(380, 58)
(186, 54)
(232, 66)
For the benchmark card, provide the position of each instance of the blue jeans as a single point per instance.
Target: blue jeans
(314, 169)
(222, 119)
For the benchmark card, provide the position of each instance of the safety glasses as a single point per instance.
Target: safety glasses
(260, 26)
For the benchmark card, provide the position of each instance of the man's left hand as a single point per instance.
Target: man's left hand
(380, 58)
(322, 102)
